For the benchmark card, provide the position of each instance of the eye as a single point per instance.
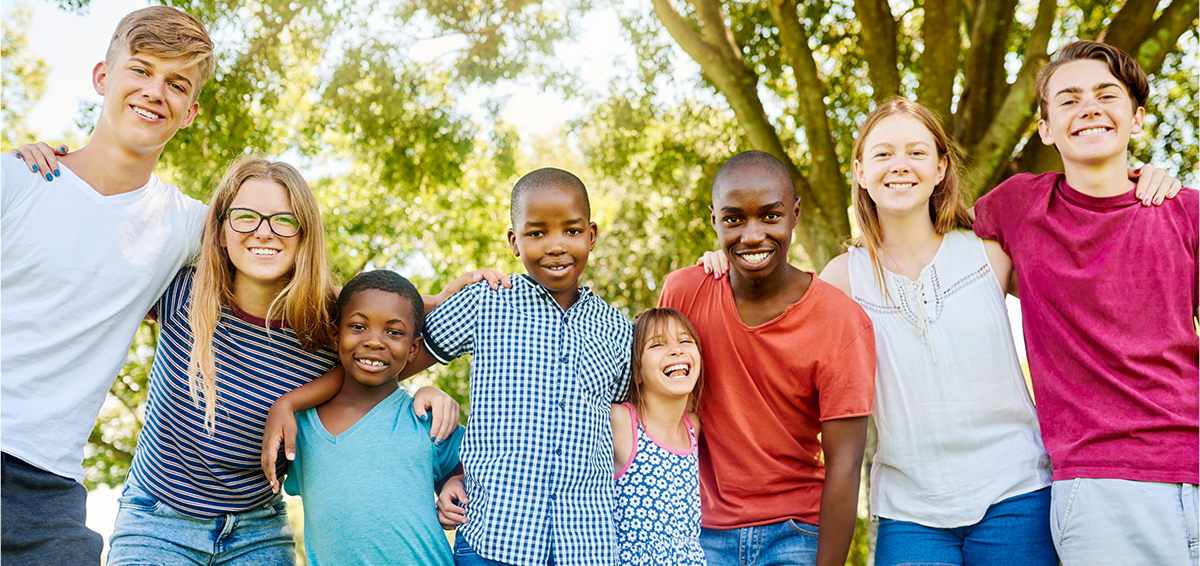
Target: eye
(574, 231)
(534, 234)
(179, 88)
(882, 154)
(731, 220)
(287, 220)
(139, 70)
(772, 216)
(243, 215)
(395, 333)
(653, 344)
(917, 153)
(686, 340)
(355, 326)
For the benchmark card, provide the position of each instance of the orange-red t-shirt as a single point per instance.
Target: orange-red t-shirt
(768, 389)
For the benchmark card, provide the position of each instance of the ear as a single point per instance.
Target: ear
(193, 110)
(857, 173)
(416, 347)
(512, 242)
(712, 217)
(99, 76)
(796, 209)
(1044, 133)
(941, 172)
(1139, 119)
(593, 233)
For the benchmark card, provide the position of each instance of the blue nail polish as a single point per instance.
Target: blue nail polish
(49, 177)
(56, 172)
(35, 167)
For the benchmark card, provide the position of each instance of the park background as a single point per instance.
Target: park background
(412, 119)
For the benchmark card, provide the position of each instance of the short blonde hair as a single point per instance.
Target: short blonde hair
(165, 32)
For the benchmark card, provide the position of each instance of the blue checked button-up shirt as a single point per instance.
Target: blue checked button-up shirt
(538, 448)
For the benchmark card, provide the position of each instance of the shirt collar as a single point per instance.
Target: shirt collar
(585, 292)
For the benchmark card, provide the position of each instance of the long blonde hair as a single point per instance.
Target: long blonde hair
(305, 303)
(947, 209)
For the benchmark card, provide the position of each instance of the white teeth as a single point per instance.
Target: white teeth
(677, 367)
(902, 185)
(146, 113)
(557, 268)
(264, 252)
(1091, 131)
(375, 363)
(755, 258)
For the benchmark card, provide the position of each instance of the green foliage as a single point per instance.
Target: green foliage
(23, 77)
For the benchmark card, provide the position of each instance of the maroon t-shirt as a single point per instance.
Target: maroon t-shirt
(1109, 289)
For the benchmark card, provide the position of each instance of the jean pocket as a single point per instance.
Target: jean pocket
(461, 548)
(804, 529)
(138, 501)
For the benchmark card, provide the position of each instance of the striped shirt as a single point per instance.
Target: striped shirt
(176, 460)
(538, 448)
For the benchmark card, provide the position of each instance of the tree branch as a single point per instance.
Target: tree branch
(1175, 20)
(1016, 113)
(985, 84)
(879, 46)
(939, 59)
(1131, 23)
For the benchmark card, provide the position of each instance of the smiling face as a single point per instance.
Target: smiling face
(754, 213)
(1090, 115)
(553, 237)
(146, 99)
(260, 258)
(670, 362)
(376, 337)
(900, 166)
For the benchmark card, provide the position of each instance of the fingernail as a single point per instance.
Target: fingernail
(62, 148)
(18, 154)
(56, 172)
(291, 455)
(49, 177)
(1137, 171)
(706, 270)
(35, 168)
(1158, 200)
(424, 417)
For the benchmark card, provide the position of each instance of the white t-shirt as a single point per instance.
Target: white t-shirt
(957, 428)
(78, 272)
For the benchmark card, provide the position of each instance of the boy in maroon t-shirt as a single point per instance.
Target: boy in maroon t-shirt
(1109, 289)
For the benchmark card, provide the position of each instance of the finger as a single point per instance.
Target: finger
(289, 441)
(492, 279)
(45, 163)
(505, 280)
(435, 429)
(419, 410)
(270, 449)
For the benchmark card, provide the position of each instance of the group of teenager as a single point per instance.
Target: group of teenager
(726, 426)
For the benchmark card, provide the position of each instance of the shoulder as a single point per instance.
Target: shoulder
(621, 417)
(684, 284)
(829, 300)
(1019, 188)
(837, 273)
(18, 182)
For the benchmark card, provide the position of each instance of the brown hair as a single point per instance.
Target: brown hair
(165, 32)
(648, 324)
(1123, 67)
(306, 302)
(947, 209)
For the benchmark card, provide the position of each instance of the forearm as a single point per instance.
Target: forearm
(839, 511)
(312, 393)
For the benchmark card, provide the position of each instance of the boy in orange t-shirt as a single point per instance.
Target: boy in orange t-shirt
(788, 357)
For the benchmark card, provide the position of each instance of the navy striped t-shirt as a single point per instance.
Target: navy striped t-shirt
(177, 461)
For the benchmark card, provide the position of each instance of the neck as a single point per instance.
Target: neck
(663, 413)
(909, 239)
(254, 298)
(1107, 179)
(756, 290)
(354, 393)
(109, 167)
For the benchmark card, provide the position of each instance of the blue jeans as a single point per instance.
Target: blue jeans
(1013, 531)
(150, 532)
(464, 555)
(1132, 523)
(43, 518)
(787, 542)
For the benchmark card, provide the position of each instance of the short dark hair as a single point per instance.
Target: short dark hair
(388, 282)
(1125, 68)
(545, 177)
(760, 160)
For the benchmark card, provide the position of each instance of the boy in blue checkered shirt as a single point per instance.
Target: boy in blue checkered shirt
(548, 359)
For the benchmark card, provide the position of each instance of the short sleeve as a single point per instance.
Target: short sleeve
(620, 384)
(450, 328)
(175, 298)
(998, 213)
(846, 385)
(445, 455)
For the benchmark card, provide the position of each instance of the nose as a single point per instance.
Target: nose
(263, 232)
(1089, 107)
(374, 340)
(556, 245)
(753, 233)
(155, 89)
(899, 164)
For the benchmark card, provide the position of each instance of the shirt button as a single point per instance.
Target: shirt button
(563, 359)
(553, 497)
(558, 451)
(562, 404)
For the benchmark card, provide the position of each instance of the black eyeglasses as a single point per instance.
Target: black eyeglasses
(246, 221)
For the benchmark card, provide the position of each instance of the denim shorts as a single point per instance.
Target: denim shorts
(1013, 531)
(150, 532)
(43, 518)
(1132, 523)
(787, 542)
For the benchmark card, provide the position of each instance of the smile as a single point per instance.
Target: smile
(755, 258)
(900, 186)
(1092, 131)
(371, 363)
(264, 252)
(146, 113)
(681, 369)
(556, 268)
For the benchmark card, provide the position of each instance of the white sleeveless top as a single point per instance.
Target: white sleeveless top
(957, 428)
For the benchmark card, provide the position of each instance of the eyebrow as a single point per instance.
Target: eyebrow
(172, 76)
(572, 221)
(1078, 90)
(776, 204)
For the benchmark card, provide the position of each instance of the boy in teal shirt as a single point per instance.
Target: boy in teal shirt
(364, 463)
